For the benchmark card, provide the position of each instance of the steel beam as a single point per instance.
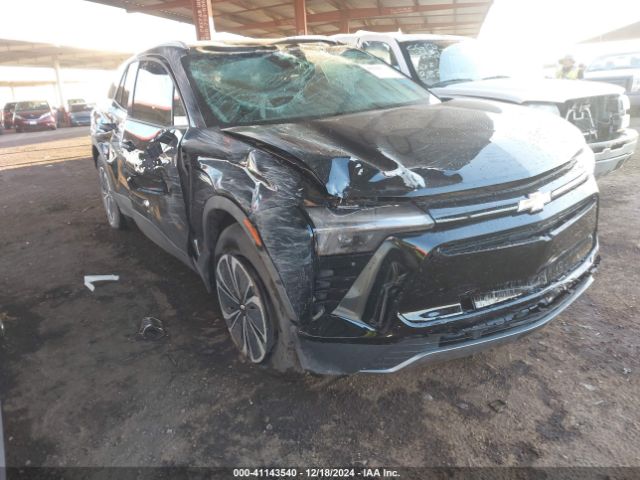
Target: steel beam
(361, 14)
(300, 19)
(56, 68)
(170, 5)
(202, 18)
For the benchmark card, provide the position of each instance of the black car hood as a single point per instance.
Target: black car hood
(422, 149)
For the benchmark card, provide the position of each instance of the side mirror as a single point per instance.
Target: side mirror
(167, 137)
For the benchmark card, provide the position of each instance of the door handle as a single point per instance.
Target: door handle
(128, 145)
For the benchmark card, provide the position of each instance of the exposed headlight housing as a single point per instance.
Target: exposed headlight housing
(363, 230)
(545, 107)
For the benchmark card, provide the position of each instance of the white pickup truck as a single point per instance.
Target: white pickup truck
(453, 66)
(621, 69)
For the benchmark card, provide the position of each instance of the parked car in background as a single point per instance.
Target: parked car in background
(33, 115)
(79, 114)
(7, 114)
(454, 67)
(620, 69)
(347, 219)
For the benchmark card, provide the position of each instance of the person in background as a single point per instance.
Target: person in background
(567, 69)
(61, 117)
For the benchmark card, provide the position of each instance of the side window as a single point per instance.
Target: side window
(179, 114)
(382, 50)
(153, 99)
(126, 85)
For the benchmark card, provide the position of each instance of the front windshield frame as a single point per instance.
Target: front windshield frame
(421, 95)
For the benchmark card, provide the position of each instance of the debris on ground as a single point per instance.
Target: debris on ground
(497, 405)
(90, 279)
(151, 328)
(589, 387)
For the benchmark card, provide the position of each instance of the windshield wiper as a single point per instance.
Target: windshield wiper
(449, 82)
(495, 76)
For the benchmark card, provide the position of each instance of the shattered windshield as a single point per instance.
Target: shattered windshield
(288, 82)
(439, 63)
(615, 62)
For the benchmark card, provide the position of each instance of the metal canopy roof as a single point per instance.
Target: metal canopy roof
(30, 54)
(275, 18)
(629, 32)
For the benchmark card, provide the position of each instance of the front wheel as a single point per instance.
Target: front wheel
(247, 303)
(114, 216)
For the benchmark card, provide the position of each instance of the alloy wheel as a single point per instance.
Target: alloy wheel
(107, 197)
(242, 307)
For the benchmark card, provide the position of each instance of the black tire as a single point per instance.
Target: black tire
(235, 250)
(115, 218)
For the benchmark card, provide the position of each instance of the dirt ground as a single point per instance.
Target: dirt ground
(78, 389)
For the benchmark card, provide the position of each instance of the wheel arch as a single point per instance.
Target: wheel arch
(220, 212)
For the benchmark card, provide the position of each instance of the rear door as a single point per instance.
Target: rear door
(151, 140)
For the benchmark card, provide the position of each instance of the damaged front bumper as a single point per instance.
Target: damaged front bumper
(611, 154)
(462, 286)
(495, 326)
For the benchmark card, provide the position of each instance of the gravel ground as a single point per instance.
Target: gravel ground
(78, 389)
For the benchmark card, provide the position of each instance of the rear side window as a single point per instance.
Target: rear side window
(154, 96)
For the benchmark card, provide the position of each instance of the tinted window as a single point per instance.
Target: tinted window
(153, 97)
(381, 50)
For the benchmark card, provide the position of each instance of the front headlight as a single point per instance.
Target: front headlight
(44, 115)
(545, 107)
(635, 85)
(351, 231)
(17, 117)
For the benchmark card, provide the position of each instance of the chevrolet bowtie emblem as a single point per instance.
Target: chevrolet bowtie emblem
(534, 202)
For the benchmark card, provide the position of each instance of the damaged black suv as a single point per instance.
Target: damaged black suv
(347, 219)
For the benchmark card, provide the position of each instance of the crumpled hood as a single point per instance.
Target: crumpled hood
(421, 149)
(518, 90)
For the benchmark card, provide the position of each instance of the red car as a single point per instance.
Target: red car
(33, 115)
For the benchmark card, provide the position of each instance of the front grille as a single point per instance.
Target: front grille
(518, 261)
(598, 118)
